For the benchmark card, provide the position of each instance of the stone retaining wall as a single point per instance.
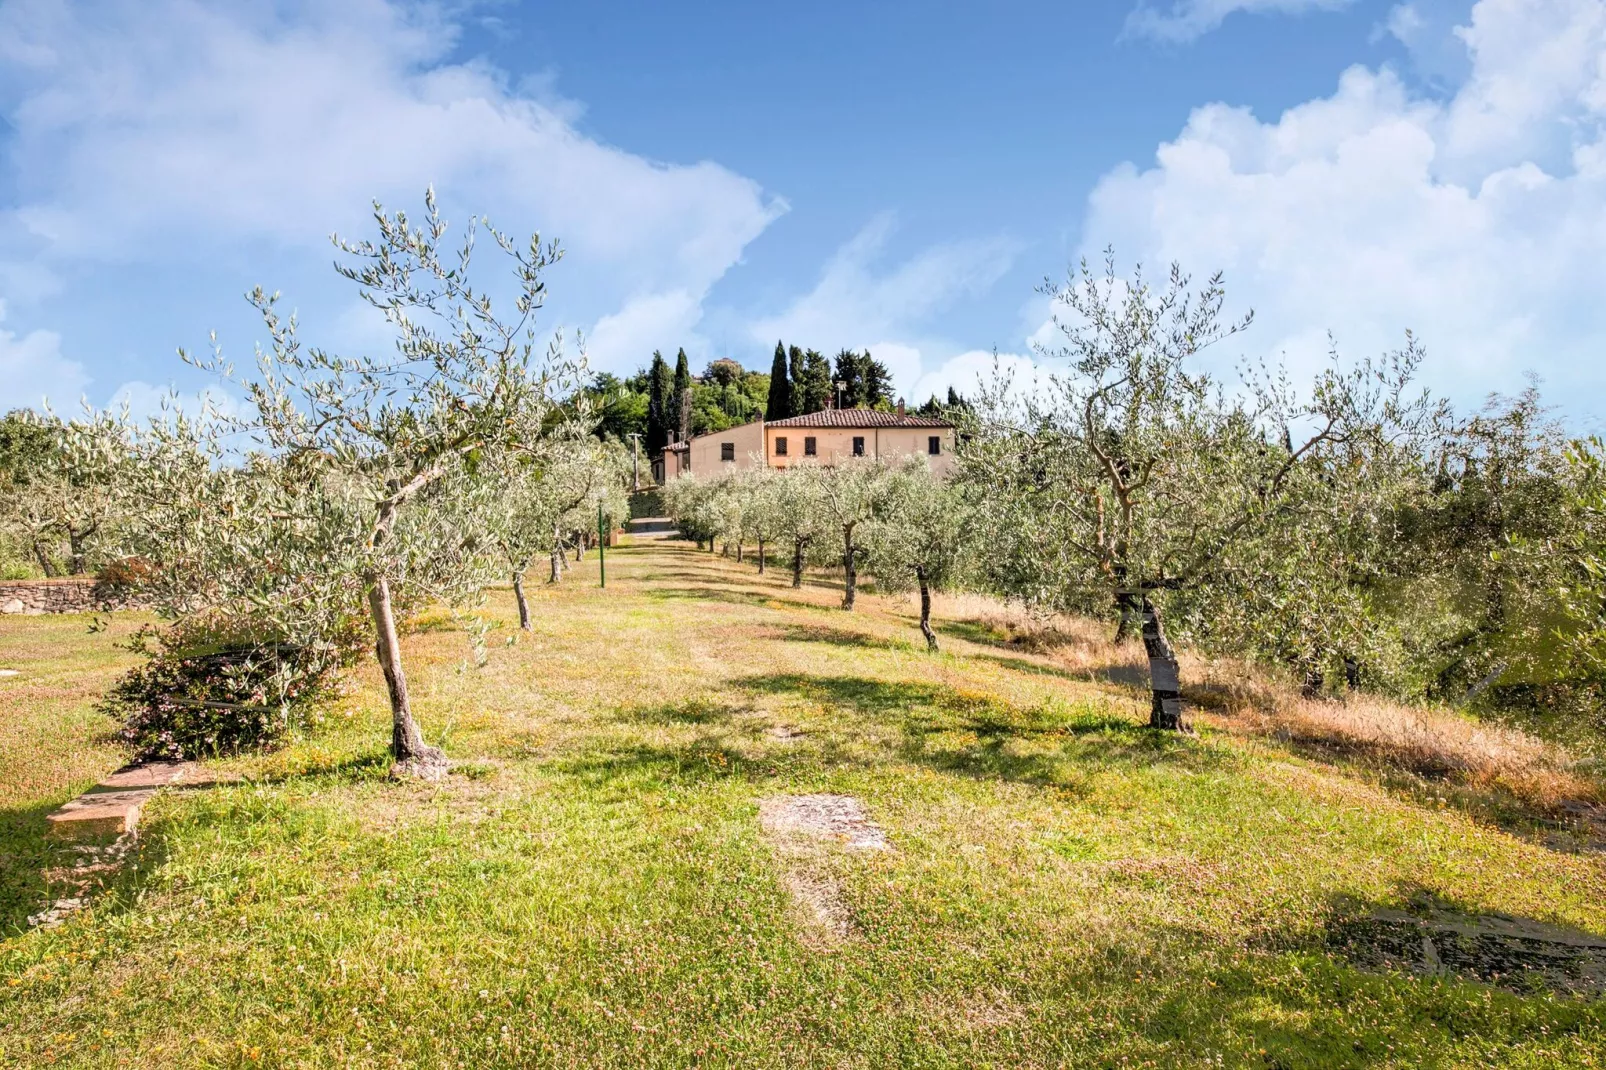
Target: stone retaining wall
(71, 595)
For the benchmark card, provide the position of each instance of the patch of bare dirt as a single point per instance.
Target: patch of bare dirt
(803, 830)
(836, 818)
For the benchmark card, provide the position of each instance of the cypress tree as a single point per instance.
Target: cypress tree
(811, 390)
(682, 384)
(779, 406)
(659, 386)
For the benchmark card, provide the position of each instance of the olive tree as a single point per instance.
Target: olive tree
(792, 503)
(57, 489)
(542, 495)
(375, 461)
(918, 542)
(852, 494)
(1140, 474)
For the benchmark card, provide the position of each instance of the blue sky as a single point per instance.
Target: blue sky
(890, 175)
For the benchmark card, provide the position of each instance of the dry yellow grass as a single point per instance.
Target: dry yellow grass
(1425, 740)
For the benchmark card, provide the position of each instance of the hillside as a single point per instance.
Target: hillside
(621, 871)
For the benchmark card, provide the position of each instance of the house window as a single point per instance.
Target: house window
(727, 451)
(858, 445)
(934, 445)
(808, 446)
(780, 446)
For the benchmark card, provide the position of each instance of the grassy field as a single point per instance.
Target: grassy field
(593, 886)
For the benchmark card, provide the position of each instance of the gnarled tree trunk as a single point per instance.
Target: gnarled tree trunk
(1165, 675)
(553, 578)
(78, 558)
(44, 560)
(407, 744)
(797, 562)
(925, 610)
(524, 606)
(1127, 605)
(738, 551)
(761, 555)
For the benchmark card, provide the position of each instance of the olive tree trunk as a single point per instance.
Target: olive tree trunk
(797, 562)
(738, 551)
(1165, 675)
(925, 610)
(524, 606)
(407, 744)
(1131, 613)
(850, 587)
(761, 555)
(75, 550)
(44, 560)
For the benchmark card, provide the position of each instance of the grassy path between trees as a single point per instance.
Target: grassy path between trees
(592, 887)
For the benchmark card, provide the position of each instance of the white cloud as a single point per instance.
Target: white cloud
(975, 370)
(858, 304)
(1374, 210)
(144, 400)
(652, 321)
(32, 369)
(164, 129)
(1186, 20)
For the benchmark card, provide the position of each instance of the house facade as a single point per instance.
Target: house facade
(826, 437)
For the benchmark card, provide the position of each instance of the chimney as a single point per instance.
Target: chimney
(900, 407)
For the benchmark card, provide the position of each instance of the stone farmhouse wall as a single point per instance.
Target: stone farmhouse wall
(70, 595)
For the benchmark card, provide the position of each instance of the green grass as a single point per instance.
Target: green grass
(593, 889)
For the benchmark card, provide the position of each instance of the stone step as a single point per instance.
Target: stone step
(111, 808)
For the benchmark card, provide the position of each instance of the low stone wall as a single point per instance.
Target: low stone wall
(71, 595)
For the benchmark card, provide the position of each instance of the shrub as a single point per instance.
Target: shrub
(207, 689)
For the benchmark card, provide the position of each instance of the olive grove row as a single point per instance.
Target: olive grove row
(1358, 529)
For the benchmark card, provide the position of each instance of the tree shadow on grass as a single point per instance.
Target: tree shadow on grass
(974, 632)
(636, 767)
(1121, 675)
(692, 711)
(1425, 933)
(719, 594)
(983, 736)
(1289, 1001)
(821, 633)
(24, 855)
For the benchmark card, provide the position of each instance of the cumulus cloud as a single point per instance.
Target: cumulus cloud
(32, 369)
(142, 401)
(857, 300)
(159, 130)
(1186, 20)
(1479, 221)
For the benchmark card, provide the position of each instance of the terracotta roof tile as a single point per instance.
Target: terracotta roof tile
(858, 418)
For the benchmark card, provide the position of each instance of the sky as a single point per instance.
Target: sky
(898, 176)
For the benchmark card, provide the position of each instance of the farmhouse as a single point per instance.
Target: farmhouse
(825, 437)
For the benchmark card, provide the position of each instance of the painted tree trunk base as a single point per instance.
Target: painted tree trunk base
(1165, 674)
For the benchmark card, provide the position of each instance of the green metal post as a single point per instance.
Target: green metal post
(602, 550)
